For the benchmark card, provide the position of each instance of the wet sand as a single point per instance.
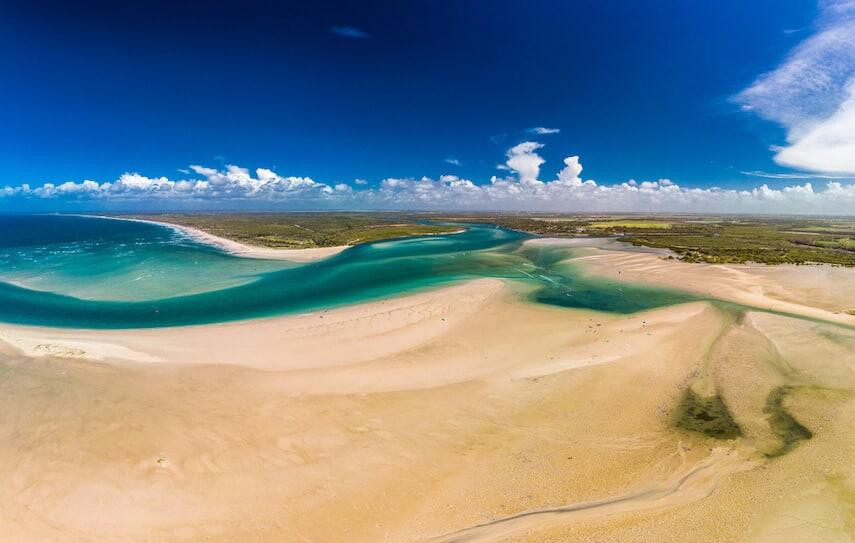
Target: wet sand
(463, 414)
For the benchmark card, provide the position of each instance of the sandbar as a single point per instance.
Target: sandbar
(236, 248)
(460, 414)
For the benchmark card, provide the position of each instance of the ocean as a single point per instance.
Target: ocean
(93, 272)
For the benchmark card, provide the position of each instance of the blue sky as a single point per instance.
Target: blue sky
(669, 105)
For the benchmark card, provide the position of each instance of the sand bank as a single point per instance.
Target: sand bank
(462, 414)
(821, 291)
(250, 251)
(270, 253)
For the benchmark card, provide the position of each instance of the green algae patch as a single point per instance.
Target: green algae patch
(707, 415)
(787, 429)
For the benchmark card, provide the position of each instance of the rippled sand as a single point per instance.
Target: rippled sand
(463, 414)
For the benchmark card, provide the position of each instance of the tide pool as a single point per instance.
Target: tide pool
(88, 272)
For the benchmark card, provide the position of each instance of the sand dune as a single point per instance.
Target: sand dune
(463, 414)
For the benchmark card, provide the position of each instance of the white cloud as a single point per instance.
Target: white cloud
(453, 161)
(569, 175)
(565, 192)
(135, 183)
(827, 146)
(542, 131)
(812, 95)
(524, 161)
(768, 175)
(203, 171)
(569, 193)
(234, 183)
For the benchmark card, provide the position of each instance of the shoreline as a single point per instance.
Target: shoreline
(462, 413)
(243, 250)
(236, 248)
(787, 288)
(250, 251)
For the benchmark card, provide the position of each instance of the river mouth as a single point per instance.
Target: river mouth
(127, 274)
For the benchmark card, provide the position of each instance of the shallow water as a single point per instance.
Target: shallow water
(73, 271)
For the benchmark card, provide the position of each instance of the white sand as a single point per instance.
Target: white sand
(269, 253)
(250, 251)
(413, 418)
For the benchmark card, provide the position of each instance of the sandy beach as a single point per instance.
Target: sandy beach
(252, 251)
(248, 251)
(461, 414)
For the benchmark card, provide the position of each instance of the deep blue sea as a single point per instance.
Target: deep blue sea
(90, 272)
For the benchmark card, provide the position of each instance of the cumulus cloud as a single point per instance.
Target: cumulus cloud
(233, 183)
(541, 131)
(521, 189)
(569, 175)
(812, 95)
(524, 161)
(448, 191)
(568, 192)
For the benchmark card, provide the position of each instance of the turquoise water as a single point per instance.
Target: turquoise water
(87, 272)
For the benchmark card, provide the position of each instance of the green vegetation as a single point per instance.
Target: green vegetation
(693, 238)
(842, 243)
(783, 425)
(710, 417)
(764, 240)
(715, 239)
(707, 415)
(301, 230)
(631, 225)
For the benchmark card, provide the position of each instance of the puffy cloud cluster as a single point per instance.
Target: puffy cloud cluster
(233, 183)
(523, 160)
(237, 182)
(449, 191)
(520, 189)
(812, 94)
(568, 192)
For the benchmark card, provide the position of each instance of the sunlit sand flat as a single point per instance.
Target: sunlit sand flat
(459, 414)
